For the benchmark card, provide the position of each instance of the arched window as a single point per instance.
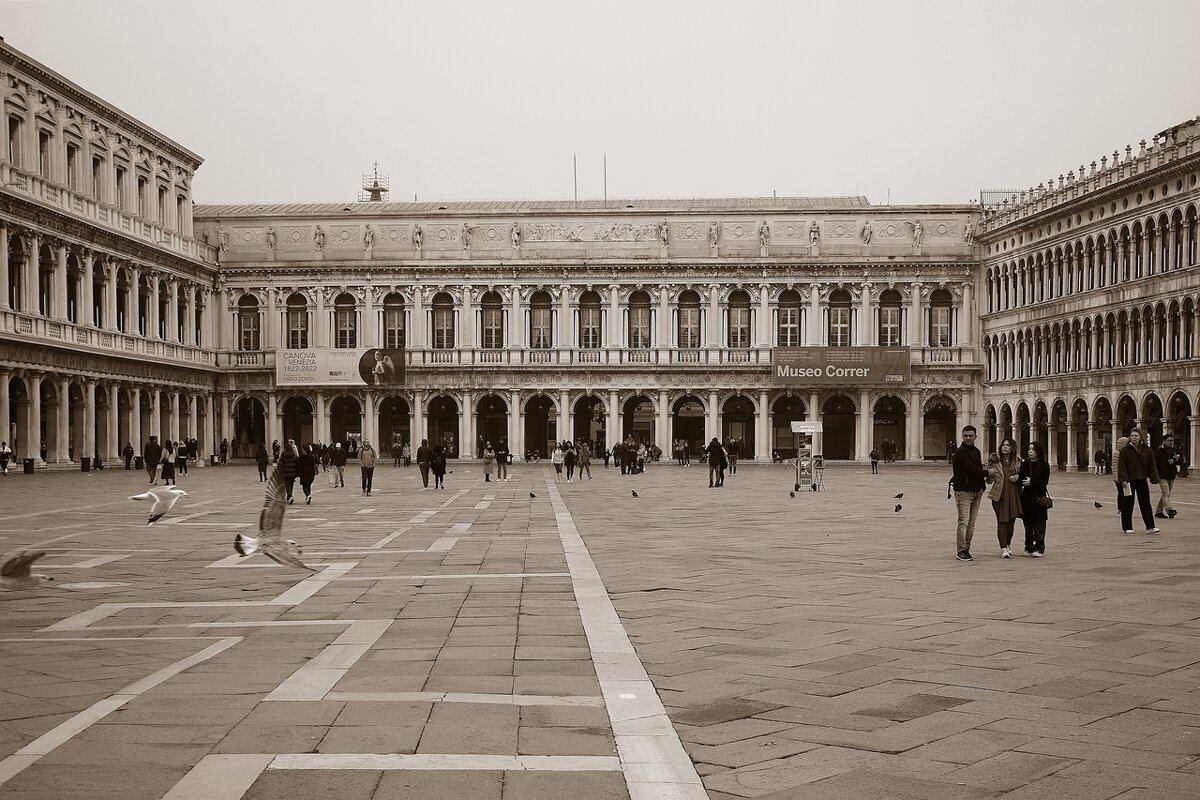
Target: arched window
(739, 320)
(589, 321)
(541, 327)
(491, 317)
(940, 317)
(689, 321)
(839, 318)
(639, 320)
(248, 323)
(297, 322)
(788, 329)
(889, 318)
(164, 303)
(443, 322)
(393, 321)
(345, 322)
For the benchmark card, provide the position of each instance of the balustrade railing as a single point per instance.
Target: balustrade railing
(87, 338)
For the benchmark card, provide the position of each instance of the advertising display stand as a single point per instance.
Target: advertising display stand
(810, 467)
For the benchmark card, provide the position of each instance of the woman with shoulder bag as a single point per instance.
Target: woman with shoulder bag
(1036, 502)
(1002, 469)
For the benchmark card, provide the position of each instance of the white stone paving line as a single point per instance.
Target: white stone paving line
(467, 697)
(655, 765)
(47, 742)
(463, 577)
(318, 677)
(97, 561)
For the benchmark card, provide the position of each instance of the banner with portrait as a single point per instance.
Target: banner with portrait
(383, 367)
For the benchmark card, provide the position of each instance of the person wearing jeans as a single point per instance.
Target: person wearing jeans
(366, 460)
(968, 484)
(1166, 459)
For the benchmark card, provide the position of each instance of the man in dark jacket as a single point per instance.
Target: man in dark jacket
(337, 459)
(289, 467)
(1166, 458)
(715, 455)
(1136, 470)
(127, 454)
(502, 461)
(151, 455)
(424, 459)
(968, 482)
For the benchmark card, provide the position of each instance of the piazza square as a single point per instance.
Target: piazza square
(629, 497)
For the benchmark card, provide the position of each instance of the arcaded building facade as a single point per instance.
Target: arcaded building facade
(1066, 313)
(1090, 293)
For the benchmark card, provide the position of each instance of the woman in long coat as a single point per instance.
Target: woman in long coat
(489, 456)
(307, 471)
(1034, 478)
(438, 467)
(1005, 495)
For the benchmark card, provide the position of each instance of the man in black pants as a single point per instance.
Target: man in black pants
(968, 482)
(424, 458)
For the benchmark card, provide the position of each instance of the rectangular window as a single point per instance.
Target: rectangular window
(97, 171)
(162, 206)
(44, 154)
(73, 167)
(141, 196)
(493, 328)
(939, 326)
(739, 328)
(889, 326)
(248, 336)
(789, 326)
(443, 329)
(297, 327)
(180, 216)
(539, 328)
(14, 141)
(589, 328)
(393, 328)
(639, 328)
(120, 199)
(347, 331)
(689, 328)
(839, 326)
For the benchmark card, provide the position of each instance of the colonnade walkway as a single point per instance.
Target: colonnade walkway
(585, 643)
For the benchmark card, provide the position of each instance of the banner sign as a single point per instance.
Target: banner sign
(839, 366)
(339, 367)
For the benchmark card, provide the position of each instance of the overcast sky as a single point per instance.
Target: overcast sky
(292, 101)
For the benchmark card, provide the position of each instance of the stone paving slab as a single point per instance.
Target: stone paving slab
(817, 647)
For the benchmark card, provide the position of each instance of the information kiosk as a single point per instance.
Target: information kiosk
(810, 467)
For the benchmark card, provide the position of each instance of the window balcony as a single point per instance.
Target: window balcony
(96, 341)
(943, 355)
(688, 356)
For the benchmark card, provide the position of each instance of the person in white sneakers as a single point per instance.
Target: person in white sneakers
(1136, 470)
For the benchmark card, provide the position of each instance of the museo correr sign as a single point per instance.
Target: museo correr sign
(839, 366)
(339, 367)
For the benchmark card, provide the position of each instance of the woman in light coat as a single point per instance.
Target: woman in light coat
(1003, 470)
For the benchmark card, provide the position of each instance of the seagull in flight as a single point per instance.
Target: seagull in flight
(14, 574)
(164, 498)
(270, 541)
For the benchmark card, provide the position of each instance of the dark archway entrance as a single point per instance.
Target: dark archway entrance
(443, 425)
(491, 421)
(1152, 419)
(890, 427)
(639, 420)
(940, 432)
(990, 441)
(1179, 411)
(787, 409)
(298, 420)
(1079, 421)
(737, 423)
(393, 425)
(345, 420)
(249, 426)
(838, 426)
(590, 422)
(687, 423)
(1126, 414)
(541, 426)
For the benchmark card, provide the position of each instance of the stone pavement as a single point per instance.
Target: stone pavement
(817, 647)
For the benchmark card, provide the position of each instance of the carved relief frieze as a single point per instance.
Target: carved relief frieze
(625, 232)
(942, 228)
(891, 229)
(443, 234)
(340, 236)
(841, 229)
(790, 229)
(490, 235)
(295, 237)
(740, 230)
(249, 237)
(394, 234)
(688, 231)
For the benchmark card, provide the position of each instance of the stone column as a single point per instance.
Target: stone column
(615, 338)
(815, 415)
(87, 316)
(763, 327)
(864, 317)
(415, 332)
(915, 336)
(370, 337)
(613, 426)
(564, 338)
(189, 322)
(174, 416)
(466, 447)
(712, 421)
(1052, 450)
(661, 436)
(763, 446)
(1072, 447)
(58, 305)
(152, 309)
(173, 313)
(4, 289)
(516, 441)
(62, 425)
(967, 317)
(866, 426)
(33, 431)
(135, 418)
(418, 416)
(370, 402)
(89, 420)
(273, 420)
(1191, 446)
(112, 443)
(564, 415)
(467, 329)
(712, 334)
(209, 445)
(663, 334)
(111, 273)
(155, 428)
(320, 420)
(192, 421)
(30, 284)
(914, 427)
(320, 321)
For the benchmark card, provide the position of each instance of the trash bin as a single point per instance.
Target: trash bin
(85, 465)
(28, 466)
(510, 458)
(212, 460)
(139, 462)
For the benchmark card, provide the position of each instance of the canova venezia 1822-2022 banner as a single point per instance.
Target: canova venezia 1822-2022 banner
(337, 367)
(839, 366)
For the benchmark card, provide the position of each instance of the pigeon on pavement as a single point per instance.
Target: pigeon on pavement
(14, 573)
(531, 494)
(270, 541)
(1099, 504)
(635, 494)
(164, 498)
(897, 508)
(899, 495)
(791, 494)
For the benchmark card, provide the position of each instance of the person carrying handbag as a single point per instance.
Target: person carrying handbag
(1034, 478)
(1004, 493)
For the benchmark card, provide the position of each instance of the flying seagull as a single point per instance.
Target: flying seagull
(270, 541)
(164, 498)
(899, 495)
(14, 574)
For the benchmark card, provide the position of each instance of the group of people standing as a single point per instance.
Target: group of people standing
(1134, 467)
(171, 457)
(1018, 488)
(569, 455)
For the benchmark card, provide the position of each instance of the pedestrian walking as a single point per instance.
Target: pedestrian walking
(714, 455)
(1034, 479)
(406, 454)
(6, 455)
(585, 460)
(437, 465)
(1002, 473)
(569, 459)
(337, 460)
(289, 468)
(489, 456)
(874, 460)
(127, 454)
(181, 458)
(1100, 461)
(967, 482)
(151, 456)
(732, 451)
(366, 463)
(557, 458)
(424, 461)
(1166, 460)
(168, 463)
(307, 472)
(1136, 470)
(502, 456)
(275, 450)
(262, 460)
